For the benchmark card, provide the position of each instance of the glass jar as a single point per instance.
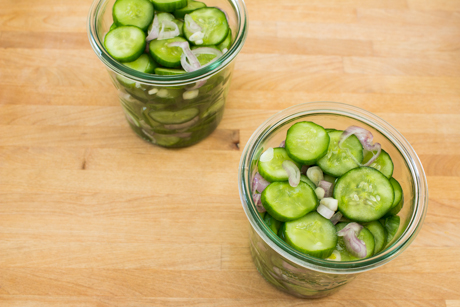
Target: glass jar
(302, 275)
(171, 110)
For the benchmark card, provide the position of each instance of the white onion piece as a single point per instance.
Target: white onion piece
(315, 174)
(366, 138)
(168, 34)
(267, 156)
(327, 186)
(190, 94)
(330, 202)
(293, 173)
(198, 85)
(319, 193)
(282, 144)
(259, 183)
(196, 36)
(155, 31)
(355, 246)
(336, 217)
(325, 211)
(191, 25)
(207, 50)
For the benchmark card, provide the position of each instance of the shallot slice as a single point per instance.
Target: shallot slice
(208, 50)
(155, 31)
(197, 32)
(366, 138)
(336, 217)
(187, 55)
(257, 202)
(355, 246)
(168, 34)
(282, 144)
(327, 186)
(325, 211)
(259, 183)
(267, 156)
(293, 173)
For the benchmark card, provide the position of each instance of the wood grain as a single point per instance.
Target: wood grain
(93, 216)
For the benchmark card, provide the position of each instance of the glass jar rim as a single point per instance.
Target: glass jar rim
(313, 263)
(168, 80)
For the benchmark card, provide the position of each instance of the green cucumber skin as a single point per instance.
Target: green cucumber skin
(180, 13)
(399, 198)
(272, 223)
(169, 6)
(388, 166)
(285, 187)
(144, 26)
(268, 169)
(379, 233)
(391, 225)
(311, 160)
(349, 211)
(130, 58)
(307, 181)
(169, 71)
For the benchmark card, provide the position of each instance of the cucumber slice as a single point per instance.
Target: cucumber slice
(282, 232)
(286, 203)
(272, 223)
(391, 225)
(262, 214)
(364, 235)
(218, 105)
(308, 181)
(169, 5)
(138, 13)
(338, 160)
(176, 117)
(213, 24)
(166, 140)
(364, 194)
(113, 26)
(273, 170)
(227, 43)
(169, 71)
(180, 25)
(312, 234)
(306, 142)
(164, 55)
(144, 63)
(399, 198)
(125, 44)
(205, 58)
(379, 233)
(191, 6)
(383, 163)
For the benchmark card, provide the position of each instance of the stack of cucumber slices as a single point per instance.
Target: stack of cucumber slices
(329, 193)
(167, 37)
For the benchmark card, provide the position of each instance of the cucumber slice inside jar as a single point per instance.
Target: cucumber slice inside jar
(399, 198)
(306, 142)
(286, 203)
(339, 160)
(138, 13)
(391, 225)
(191, 6)
(213, 23)
(312, 234)
(165, 55)
(383, 163)
(308, 181)
(365, 235)
(169, 71)
(174, 117)
(144, 63)
(272, 223)
(364, 194)
(169, 5)
(227, 43)
(125, 44)
(379, 233)
(273, 170)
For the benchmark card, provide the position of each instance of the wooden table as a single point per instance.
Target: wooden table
(91, 215)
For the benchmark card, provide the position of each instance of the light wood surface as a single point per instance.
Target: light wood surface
(91, 215)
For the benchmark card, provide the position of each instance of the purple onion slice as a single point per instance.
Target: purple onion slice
(355, 246)
(366, 138)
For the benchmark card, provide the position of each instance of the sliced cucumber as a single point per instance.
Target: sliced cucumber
(312, 234)
(144, 63)
(169, 5)
(205, 58)
(399, 198)
(379, 233)
(383, 163)
(308, 181)
(165, 55)
(306, 142)
(273, 170)
(169, 71)
(166, 140)
(113, 26)
(286, 203)
(227, 43)
(138, 13)
(191, 6)
(338, 160)
(282, 232)
(364, 194)
(216, 106)
(272, 223)
(213, 23)
(262, 214)
(391, 225)
(365, 235)
(174, 117)
(125, 44)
